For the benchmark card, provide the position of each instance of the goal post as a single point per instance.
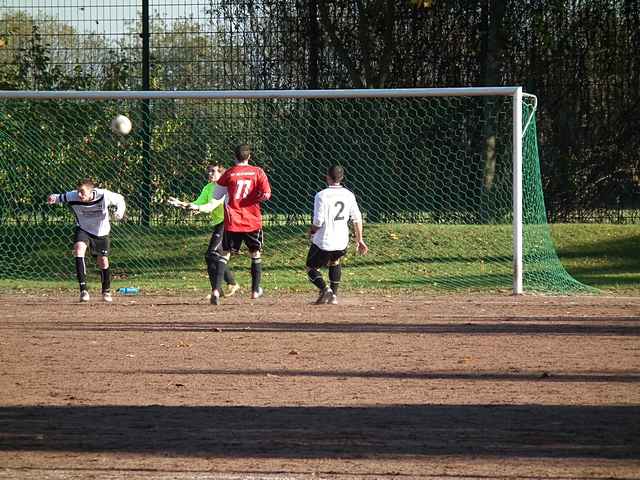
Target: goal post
(517, 192)
(448, 180)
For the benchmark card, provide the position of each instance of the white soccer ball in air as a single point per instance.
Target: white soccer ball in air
(121, 125)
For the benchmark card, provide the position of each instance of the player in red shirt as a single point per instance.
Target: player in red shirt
(246, 186)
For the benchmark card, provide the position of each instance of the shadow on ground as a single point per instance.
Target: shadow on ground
(328, 432)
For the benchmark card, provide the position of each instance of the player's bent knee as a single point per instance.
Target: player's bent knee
(333, 263)
(103, 262)
(255, 254)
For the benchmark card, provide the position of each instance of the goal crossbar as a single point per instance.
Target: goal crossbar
(229, 94)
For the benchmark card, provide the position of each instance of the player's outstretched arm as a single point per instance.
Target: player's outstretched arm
(208, 207)
(62, 198)
(174, 202)
(203, 199)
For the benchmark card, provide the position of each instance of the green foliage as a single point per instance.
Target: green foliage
(32, 58)
(34, 68)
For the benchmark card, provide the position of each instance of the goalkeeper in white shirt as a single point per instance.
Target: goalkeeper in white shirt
(90, 205)
(333, 207)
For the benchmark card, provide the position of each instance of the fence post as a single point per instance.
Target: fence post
(145, 205)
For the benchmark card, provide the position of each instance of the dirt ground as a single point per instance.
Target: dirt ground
(427, 387)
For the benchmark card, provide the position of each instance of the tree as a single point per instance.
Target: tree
(47, 54)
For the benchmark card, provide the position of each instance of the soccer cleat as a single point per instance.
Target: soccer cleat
(257, 294)
(333, 300)
(214, 299)
(84, 296)
(106, 297)
(325, 296)
(233, 289)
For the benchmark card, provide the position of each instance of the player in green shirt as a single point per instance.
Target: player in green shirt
(206, 203)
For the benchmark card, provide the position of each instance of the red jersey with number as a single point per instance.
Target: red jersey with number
(247, 186)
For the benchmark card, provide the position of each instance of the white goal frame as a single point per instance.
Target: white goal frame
(514, 92)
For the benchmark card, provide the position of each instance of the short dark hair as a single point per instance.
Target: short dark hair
(86, 181)
(336, 173)
(242, 152)
(216, 166)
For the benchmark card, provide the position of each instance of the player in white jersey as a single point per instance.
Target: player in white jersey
(90, 205)
(333, 207)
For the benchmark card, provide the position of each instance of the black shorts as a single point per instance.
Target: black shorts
(99, 246)
(232, 241)
(317, 257)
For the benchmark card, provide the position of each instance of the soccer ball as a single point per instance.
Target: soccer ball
(121, 125)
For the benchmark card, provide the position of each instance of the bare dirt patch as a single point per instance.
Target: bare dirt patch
(376, 387)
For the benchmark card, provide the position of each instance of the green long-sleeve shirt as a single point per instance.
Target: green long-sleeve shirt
(217, 215)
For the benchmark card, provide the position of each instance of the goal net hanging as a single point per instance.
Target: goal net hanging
(448, 182)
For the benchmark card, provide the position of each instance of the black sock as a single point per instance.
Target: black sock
(256, 273)
(316, 278)
(335, 272)
(229, 277)
(220, 268)
(212, 269)
(105, 277)
(81, 273)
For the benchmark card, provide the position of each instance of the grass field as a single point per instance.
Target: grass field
(601, 256)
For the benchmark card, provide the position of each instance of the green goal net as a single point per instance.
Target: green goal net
(433, 172)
